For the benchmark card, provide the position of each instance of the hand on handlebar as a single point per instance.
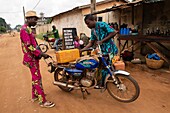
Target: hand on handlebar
(99, 42)
(87, 49)
(81, 50)
(45, 55)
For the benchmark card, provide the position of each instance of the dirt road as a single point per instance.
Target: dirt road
(15, 89)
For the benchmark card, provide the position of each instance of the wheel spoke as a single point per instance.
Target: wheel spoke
(59, 76)
(127, 91)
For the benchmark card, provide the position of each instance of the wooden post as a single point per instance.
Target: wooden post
(143, 9)
(132, 14)
(120, 14)
(93, 6)
(24, 13)
(158, 52)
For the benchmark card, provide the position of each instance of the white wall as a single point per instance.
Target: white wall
(69, 20)
(43, 28)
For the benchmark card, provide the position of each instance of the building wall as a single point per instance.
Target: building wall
(126, 16)
(69, 20)
(157, 15)
(106, 17)
(138, 11)
(75, 18)
(43, 28)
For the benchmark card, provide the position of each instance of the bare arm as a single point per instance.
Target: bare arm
(109, 36)
(91, 42)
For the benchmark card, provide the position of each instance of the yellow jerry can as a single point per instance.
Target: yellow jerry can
(65, 56)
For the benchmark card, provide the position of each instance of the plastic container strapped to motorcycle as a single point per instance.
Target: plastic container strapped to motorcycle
(87, 63)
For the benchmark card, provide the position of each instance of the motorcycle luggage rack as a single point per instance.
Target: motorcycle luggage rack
(51, 63)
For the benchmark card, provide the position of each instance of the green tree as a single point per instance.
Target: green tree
(4, 26)
(49, 20)
(2, 22)
(18, 27)
(2, 29)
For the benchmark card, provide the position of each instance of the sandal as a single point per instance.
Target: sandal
(34, 99)
(47, 104)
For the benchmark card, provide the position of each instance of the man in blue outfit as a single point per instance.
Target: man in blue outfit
(102, 34)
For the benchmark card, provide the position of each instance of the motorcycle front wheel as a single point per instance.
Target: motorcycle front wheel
(58, 76)
(43, 48)
(126, 90)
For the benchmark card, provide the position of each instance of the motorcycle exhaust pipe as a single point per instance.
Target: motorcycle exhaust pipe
(64, 84)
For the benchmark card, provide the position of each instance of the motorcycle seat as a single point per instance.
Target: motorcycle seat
(51, 40)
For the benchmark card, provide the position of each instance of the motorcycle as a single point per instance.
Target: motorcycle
(49, 43)
(84, 74)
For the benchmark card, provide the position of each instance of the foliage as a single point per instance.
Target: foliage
(18, 27)
(4, 26)
(50, 34)
(40, 36)
(2, 29)
(49, 20)
(2, 22)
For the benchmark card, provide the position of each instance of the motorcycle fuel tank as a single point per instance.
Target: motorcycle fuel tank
(87, 64)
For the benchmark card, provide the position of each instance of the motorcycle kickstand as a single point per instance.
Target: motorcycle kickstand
(83, 91)
(87, 92)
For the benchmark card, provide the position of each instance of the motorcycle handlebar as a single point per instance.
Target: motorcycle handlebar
(45, 36)
(88, 49)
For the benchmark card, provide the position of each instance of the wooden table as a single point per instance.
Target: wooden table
(149, 40)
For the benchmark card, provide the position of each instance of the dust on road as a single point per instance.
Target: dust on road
(15, 88)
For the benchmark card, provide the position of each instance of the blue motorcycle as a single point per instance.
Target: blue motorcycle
(85, 74)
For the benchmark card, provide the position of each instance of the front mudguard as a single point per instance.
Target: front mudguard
(117, 72)
(121, 72)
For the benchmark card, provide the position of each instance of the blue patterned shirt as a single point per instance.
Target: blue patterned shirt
(103, 30)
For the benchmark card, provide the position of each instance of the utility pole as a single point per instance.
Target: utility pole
(93, 6)
(24, 13)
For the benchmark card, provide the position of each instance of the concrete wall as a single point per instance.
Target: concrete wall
(126, 16)
(106, 17)
(69, 20)
(43, 28)
(75, 18)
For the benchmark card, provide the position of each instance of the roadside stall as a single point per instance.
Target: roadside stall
(148, 24)
(154, 30)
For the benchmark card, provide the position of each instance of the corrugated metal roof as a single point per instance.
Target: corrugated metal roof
(120, 6)
(103, 2)
(151, 1)
(125, 5)
(87, 6)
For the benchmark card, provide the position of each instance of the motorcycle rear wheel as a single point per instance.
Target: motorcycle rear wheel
(59, 77)
(128, 90)
(43, 48)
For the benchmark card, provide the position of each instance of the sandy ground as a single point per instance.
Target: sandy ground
(15, 88)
